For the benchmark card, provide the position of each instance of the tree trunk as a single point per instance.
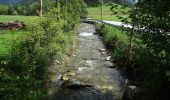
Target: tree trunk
(41, 5)
(101, 2)
(57, 3)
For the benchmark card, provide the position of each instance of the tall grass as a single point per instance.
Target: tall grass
(6, 40)
(116, 41)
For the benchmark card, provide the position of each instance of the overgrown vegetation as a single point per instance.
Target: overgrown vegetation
(116, 40)
(145, 52)
(23, 70)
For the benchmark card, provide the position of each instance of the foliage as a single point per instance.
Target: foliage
(3, 9)
(23, 71)
(116, 41)
(150, 52)
(93, 3)
(152, 20)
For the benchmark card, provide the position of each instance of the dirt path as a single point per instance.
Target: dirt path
(88, 65)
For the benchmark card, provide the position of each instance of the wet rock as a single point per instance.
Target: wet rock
(109, 54)
(103, 53)
(89, 85)
(73, 84)
(102, 50)
(71, 73)
(130, 92)
(112, 65)
(105, 87)
(62, 77)
(108, 58)
(58, 62)
(74, 55)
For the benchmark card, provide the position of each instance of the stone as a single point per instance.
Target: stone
(73, 84)
(112, 65)
(57, 61)
(130, 91)
(71, 73)
(74, 55)
(102, 50)
(108, 58)
(103, 53)
(132, 87)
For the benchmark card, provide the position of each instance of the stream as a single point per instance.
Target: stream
(88, 73)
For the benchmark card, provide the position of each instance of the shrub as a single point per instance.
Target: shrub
(116, 41)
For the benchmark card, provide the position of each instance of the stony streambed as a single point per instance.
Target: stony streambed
(88, 73)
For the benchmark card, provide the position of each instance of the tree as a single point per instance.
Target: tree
(151, 18)
(41, 8)
(3, 9)
(92, 2)
(101, 8)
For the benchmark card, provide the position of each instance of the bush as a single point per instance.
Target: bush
(116, 41)
(3, 9)
(24, 72)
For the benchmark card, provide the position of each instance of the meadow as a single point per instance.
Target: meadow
(7, 37)
(95, 13)
(9, 18)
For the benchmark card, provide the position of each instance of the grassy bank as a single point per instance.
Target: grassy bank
(7, 37)
(116, 40)
(25, 55)
(140, 65)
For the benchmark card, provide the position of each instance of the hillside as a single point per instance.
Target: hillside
(14, 1)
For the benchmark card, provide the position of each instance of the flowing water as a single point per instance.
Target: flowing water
(88, 65)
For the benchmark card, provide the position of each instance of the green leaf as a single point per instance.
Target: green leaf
(168, 73)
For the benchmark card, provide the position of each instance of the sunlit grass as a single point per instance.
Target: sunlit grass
(8, 18)
(7, 37)
(116, 34)
(6, 40)
(95, 13)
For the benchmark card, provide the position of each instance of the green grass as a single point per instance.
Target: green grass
(95, 13)
(6, 40)
(7, 18)
(7, 37)
(112, 33)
